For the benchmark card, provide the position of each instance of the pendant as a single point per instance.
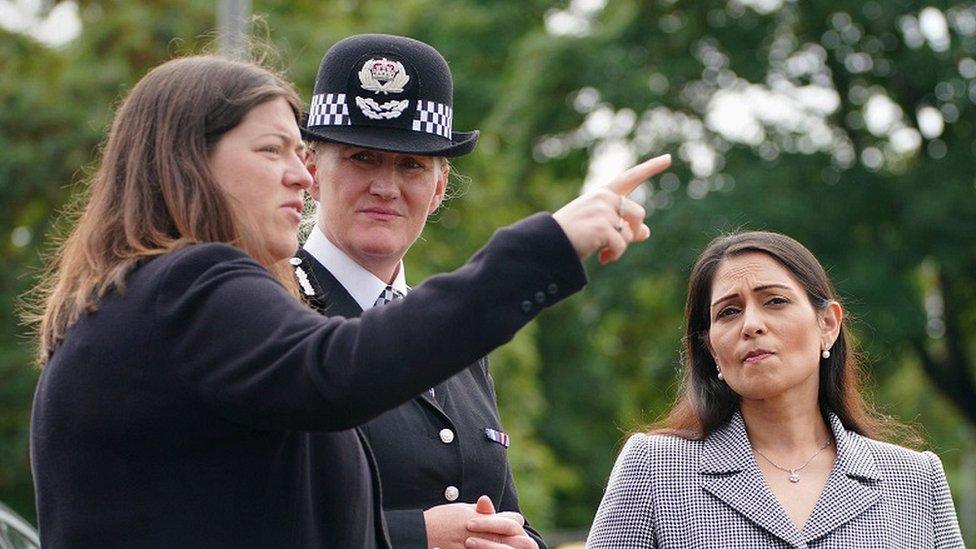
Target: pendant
(794, 476)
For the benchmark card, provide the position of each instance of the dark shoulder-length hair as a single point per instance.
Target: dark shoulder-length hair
(705, 402)
(153, 191)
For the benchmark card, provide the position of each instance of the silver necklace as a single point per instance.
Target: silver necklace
(794, 473)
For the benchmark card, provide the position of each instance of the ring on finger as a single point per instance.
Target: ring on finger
(620, 225)
(620, 206)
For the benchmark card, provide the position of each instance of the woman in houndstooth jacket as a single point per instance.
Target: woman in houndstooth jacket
(770, 443)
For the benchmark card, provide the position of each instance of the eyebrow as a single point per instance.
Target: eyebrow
(757, 289)
(280, 135)
(299, 145)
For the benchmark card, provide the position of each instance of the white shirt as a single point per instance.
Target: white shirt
(361, 284)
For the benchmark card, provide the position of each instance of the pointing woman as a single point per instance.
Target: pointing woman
(181, 375)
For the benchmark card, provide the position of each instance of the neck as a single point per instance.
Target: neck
(384, 272)
(382, 269)
(782, 426)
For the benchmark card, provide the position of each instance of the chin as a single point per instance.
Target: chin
(379, 248)
(283, 250)
(757, 389)
(757, 394)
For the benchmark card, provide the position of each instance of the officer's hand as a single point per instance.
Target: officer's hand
(446, 525)
(605, 219)
(490, 530)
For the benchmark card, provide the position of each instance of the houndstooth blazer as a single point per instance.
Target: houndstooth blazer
(666, 491)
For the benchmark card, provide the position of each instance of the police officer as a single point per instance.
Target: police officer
(380, 132)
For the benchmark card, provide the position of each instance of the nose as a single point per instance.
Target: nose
(297, 175)
(753, 323)
(383, 182)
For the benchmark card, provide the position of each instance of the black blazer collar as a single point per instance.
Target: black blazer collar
(330, 297)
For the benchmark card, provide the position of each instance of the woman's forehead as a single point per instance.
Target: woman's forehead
(273, 116)
(752, 268)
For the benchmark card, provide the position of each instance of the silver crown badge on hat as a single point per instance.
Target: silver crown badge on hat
(382, 76)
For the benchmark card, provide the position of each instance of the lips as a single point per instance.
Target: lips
(380, 213)
(294, 207)
(756, 355)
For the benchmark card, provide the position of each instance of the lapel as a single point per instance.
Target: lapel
(730, 473)
(853, 487)
(331, 298)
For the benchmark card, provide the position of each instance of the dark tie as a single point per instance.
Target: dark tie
(387, 295)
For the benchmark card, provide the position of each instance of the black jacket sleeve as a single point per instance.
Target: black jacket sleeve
(407, 528)
(259, 357)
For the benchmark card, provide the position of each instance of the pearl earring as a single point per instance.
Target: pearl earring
(720, 376)
(825, 353)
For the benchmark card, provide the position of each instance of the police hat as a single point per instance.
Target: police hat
(389, 93)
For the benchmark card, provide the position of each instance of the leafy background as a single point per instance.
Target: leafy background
(848, 125)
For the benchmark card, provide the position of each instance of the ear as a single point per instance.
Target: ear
(314, 190)
(441, 188)
(830, 322)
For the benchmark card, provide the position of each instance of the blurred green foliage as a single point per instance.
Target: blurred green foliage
(849, 126)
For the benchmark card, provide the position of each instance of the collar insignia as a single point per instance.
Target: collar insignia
(303, 281)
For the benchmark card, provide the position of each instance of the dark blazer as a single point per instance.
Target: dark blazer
(429, 444)
(666, 491)
(179, 413)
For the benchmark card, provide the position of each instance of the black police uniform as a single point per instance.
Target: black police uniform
(435, 449)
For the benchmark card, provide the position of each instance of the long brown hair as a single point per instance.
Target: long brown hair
(153, 191)
(705, 403)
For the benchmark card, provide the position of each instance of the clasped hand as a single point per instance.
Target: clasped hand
(475, 525)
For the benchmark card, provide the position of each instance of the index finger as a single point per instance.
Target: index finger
(499, 526)
(630, 179)
(512, 515)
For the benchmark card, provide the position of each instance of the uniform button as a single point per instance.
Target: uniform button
(553, 288)
(526, 306)
(447, 436)
(540, 297)
(295, 261)
(451, 493)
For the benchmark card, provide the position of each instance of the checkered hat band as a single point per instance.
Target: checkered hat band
(433, 118)
(329, 109)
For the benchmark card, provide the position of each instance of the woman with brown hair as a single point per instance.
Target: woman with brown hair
(181, 375)
(770, 443)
